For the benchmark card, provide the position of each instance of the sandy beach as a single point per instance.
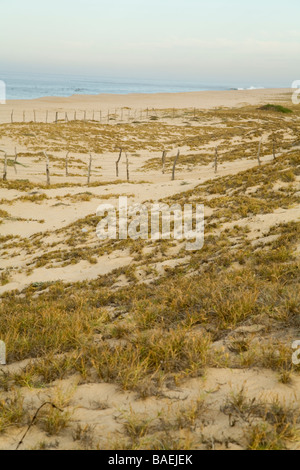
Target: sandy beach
(141, 344)
(136, 102)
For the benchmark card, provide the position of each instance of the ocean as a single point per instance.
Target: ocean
(30, 86)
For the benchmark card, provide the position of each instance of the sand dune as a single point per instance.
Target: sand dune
(141, 344)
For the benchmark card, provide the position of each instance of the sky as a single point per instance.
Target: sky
(215, 41)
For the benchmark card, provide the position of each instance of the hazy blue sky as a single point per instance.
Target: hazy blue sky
(204, 40)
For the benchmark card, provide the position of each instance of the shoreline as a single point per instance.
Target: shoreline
(201, 100)
(150, 93)
(163, 95)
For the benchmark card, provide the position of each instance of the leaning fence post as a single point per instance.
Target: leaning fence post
(2, 353)
(15, 160)
(127, 167)
(174, 166)
(47, 169)
(5, 168)
(259, 149)
(117, 163)
(89, 169)
(12, 116)
(216, 160)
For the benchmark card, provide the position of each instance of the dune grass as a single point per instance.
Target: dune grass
(277, 108)
(154, 333)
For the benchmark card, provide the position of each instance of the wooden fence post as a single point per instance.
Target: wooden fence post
(117, 163)
(216, 160)
(12, 116)
(47, 169)
(47, 116)
(56, 117)
(127, 167)
(15, 160)
(174, 166)
(259, 149)
(164, 161)
(67, 164)
(5, 168)
(34, 116)
(24, 116)
(89, 169)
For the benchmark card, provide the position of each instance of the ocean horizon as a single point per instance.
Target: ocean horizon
(32, 86)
